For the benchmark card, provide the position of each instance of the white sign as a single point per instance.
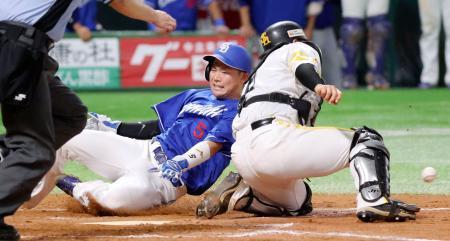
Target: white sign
(98, 52)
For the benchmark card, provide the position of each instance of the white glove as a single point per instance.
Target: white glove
(101, 123)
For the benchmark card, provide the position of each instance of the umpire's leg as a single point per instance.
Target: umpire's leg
(69, 113)
(28, 147)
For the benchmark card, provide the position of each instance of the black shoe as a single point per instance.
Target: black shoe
(393, 211)
(216, 202)
(67, 183)
(8, 232)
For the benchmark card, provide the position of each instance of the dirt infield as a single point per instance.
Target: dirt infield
(60, 218)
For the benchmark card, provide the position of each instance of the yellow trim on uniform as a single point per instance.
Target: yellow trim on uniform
(298, 56)
(287, 124)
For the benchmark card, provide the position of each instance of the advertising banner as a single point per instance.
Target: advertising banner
(167, 61)
(88, 65)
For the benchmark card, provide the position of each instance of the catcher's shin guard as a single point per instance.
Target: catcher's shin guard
(244, 200)
(370, 161)
(370, 164)
(216, 201)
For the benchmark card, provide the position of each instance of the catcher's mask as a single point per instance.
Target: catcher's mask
(281, 33)
(231, 54)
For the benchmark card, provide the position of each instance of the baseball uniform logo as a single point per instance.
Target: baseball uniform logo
(224, 47)
(264, 39)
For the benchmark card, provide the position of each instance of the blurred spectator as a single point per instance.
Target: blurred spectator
(84, 21)
(321, 15)
(374, 14)
(185, 12)
(431, 15)
(230, 12)
(257, 15)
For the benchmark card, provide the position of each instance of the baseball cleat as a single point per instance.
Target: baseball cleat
(66, 183)
(393, 211)
(216, 202)
(8, 232)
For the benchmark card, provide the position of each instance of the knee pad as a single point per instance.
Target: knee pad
(370, 160)
(352, 31)
(245, 200)
(379, 26)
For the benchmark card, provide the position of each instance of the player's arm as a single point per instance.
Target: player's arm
(144, 130)
(308, 76)
(137, 9)
(246, 28)
(198, 154)
(216, 14)
(302, 62)
(173, 169)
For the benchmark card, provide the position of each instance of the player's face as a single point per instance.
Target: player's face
(226, 82)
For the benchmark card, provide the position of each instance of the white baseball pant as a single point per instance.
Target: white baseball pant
(124, 161)
(431, 15)
(364, 8)
(274, 159)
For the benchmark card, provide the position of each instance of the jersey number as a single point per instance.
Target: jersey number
(199, 130)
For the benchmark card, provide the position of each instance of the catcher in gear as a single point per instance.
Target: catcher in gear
(275, 149)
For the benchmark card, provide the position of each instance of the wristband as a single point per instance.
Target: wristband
(219, 22)
(195, 156)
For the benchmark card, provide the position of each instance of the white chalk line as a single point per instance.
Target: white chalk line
(338, 210)
(256, 233)
(268, 229)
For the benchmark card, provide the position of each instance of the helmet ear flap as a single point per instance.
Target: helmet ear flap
(208, 69)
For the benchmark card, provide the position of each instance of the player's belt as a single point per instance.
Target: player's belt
(26, 35)
(259, 123)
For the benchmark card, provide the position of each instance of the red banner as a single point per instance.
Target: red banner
(168, 61)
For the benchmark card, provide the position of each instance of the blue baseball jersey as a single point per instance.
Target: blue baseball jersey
(263, 13)
(86, 15)
(189, 118)
(184, 11)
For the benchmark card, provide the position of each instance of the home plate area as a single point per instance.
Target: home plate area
(58, 217)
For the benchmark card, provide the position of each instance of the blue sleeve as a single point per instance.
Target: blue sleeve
(76, 16)
(221, 132)
(204, 3)
(152, 3)
(168, 110)
(243, 3)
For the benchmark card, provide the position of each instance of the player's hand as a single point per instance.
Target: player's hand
(247, 31)
(83, 32)
(329, 93)
(164, 21)
(172, 171)
(222, 30)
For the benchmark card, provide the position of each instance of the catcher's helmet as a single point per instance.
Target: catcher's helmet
(232, 55)
(282, 32)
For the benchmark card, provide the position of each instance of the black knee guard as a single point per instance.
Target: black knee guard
(244, 200)
(371, 162)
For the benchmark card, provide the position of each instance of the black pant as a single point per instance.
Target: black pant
(39, 113)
